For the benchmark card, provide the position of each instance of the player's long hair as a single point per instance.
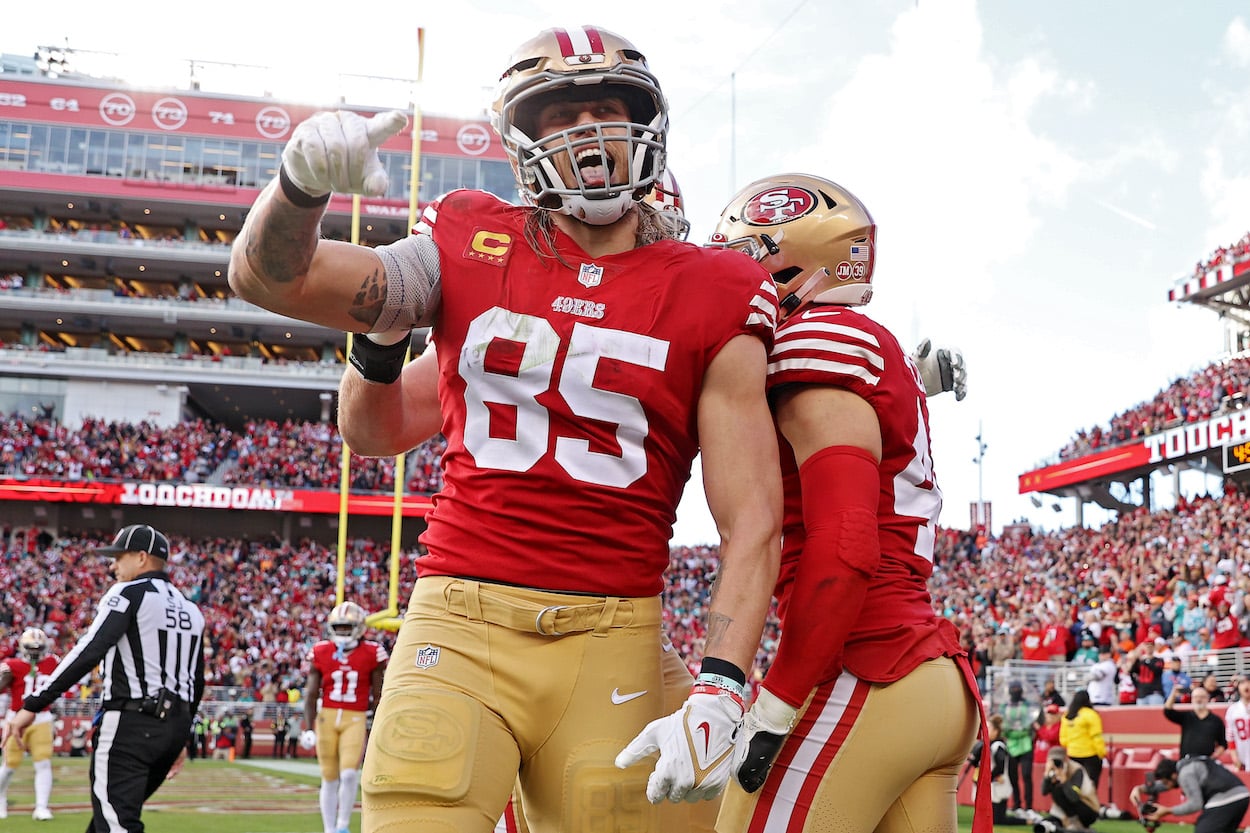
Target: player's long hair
(652, 227)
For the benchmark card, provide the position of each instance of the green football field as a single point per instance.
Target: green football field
(260, 796)
(257, 796)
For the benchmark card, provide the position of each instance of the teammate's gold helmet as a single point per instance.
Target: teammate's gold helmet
(346, 624)
(581, 64)
(814, 236)
(665, 195)
(33, 643)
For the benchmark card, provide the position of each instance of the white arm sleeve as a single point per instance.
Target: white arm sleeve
(413, 283)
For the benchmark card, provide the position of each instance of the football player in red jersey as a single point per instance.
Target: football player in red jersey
(580, 370)
(344, 684)
(837, 738)
(21, 676)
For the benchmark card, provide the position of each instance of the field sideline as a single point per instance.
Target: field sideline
(256, 796)
(207, 797)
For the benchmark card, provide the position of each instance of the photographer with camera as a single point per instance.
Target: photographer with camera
(1207, 786)
(1073, 794)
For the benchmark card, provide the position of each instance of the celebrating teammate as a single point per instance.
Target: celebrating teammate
(580, 369)
(344, 683)
(20, 677)
(835, 739)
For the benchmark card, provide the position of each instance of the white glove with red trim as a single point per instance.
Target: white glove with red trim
(695, 745)
(338, 151)
(308, 739)
(941, 370)
(763, 731)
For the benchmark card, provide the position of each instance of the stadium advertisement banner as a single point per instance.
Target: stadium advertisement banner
(1174, 444)
(182, 112)
(205, 496)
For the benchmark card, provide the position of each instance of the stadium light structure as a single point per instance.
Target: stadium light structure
(979, 460)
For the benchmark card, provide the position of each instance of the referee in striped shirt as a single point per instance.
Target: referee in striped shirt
(149, 641)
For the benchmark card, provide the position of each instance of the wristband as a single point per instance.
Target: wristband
(707, 688)
(723, 667)
(376, 362)
(723, 675)
(298, 196)
(715, 684)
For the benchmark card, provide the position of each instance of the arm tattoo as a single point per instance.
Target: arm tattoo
(367, 305)
(281, 243)
(717, 625)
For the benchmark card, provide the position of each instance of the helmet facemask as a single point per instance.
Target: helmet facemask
(548, 169)
(345, 625)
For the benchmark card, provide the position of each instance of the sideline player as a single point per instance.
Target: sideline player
(1237, 726)
(835, 739)
(581, 368)
(20, 677)
(344, 684)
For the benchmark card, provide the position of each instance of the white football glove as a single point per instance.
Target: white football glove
(338, 151)
(942, 370)
(308, 739)
(759, 739)
(695, 745)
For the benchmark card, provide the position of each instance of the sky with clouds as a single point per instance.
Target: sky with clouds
(1041, 174)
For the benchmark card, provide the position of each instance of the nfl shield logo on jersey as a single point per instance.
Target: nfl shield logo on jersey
(427, 657)
(590, 275)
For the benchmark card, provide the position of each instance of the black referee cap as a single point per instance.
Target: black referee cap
(138, 538)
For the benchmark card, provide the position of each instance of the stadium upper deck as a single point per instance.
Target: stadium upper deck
(117, 208)
(1214, 439)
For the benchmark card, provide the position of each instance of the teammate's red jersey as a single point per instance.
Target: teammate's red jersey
(568, 389)
(26, 683)
(896, 629)
(345, 679)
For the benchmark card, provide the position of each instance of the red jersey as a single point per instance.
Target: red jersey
(1032, 646)
(569, 397)
(896, 629)
(346, 679)
(27, 680)
(1227, 633)
(1055, 640)
(1047, 737)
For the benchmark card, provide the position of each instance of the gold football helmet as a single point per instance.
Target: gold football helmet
(346, 624)
(33, 643)
(581, 64)
(666, 197)
(816, 237)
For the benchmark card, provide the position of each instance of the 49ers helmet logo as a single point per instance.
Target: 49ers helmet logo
(778, 205)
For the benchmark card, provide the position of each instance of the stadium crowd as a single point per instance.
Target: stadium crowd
(1177, 579)
(1210, 391)
(300, 454)
(1224, 254)
(292, 454)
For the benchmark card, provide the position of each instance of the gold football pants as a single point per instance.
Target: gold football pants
(492, 687)
(866, 757)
